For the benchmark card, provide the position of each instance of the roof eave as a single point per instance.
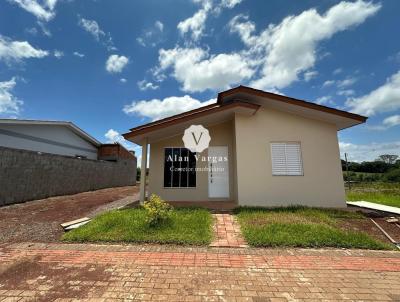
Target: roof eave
(294, 101)
(154, 126)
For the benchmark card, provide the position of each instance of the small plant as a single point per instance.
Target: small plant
(157, 210)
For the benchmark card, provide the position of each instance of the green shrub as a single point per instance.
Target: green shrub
(393, 175)
(157, 210)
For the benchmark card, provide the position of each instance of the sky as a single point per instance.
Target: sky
(109, 66)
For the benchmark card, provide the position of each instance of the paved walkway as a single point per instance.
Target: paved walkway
(63, 272)
(227, 232)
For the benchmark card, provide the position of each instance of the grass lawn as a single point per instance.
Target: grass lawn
(185, 226)
(383, 193)
(302, 227)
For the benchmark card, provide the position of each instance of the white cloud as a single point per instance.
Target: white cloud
(78, 54)
(44, 29)
(346, 82)
(92, 27)
(113, 136)
(309, 75)
(290, 48)
(123, 80)
(328, 83)
(391, 121)
(383, 99)
(19, 50)
(115, 63)
(230, 3)
(196, 70)
(324, 100)
(241, 25)
(152, 35)
(43, 10)
(337, 71)
(346, 92)
(395, 58)
(144, 85)
(195, 24)
(9, 104)
(368, 152)
(158, 24)
(32, 31)
(156, 109)
(58, 54)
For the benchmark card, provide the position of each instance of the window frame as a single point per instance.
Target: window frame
(163, 180)
(300, 153)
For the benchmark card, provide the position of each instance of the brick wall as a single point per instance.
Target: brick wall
(27, 175)
(113, 152)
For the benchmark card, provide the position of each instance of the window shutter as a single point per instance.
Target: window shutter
(286, 159)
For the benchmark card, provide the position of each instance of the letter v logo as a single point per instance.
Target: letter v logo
(194, 137)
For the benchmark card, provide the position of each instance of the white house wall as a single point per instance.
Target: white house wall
(53, 139)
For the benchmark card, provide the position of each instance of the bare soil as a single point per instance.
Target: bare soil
(30, 274)
(39, 220)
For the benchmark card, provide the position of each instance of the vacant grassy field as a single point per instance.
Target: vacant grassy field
(185, 226)
(378, 192)
(302, 227)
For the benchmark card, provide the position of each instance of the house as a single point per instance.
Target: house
(265, 150)
(55, 137)
(39, 159)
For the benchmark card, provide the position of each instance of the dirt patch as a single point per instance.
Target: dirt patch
(39, 220)
(50, 282)
(362, 225)
(367, 226)
(390, 228)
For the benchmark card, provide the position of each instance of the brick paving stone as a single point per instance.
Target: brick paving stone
(56, 272)
(227, 232)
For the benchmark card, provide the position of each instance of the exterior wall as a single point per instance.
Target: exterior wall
(27, 175)
(114, 152)
(53, 139)
(322, 183)
(221, 135)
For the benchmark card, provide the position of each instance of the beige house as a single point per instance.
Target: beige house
(265, 150)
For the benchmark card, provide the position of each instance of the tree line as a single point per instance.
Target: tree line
(386, 168)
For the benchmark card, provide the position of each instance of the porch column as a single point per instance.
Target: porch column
(143, 169)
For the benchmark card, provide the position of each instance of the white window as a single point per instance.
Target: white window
(286, 159)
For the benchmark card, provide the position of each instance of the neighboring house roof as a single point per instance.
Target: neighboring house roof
(78, 131)
(251, 98)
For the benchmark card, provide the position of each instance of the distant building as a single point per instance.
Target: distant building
(55, 137)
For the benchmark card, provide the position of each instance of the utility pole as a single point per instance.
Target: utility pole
(347, 171)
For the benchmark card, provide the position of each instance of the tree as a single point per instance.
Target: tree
(388, 158)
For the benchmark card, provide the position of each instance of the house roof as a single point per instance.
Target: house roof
(251, 98)
(78, 131)
(213, 113)
(234, 92)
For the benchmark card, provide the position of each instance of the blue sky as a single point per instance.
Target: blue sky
(111, 65)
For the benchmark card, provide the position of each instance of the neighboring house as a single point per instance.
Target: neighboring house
(281, 151)
(55, 137)
(39, 159)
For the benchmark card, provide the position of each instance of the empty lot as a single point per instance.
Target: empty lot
(39, 220)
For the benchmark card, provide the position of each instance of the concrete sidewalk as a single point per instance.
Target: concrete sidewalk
(65, 272)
